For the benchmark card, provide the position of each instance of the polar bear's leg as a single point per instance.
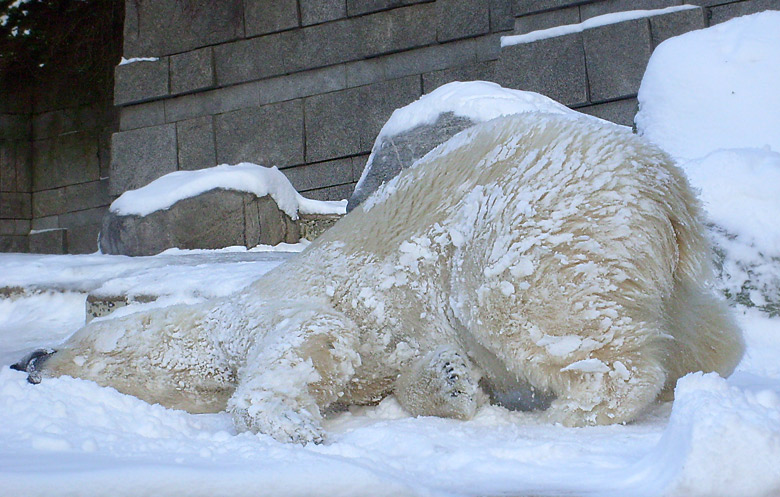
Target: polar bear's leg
(441, 383)
(300, 367)
(606, 392)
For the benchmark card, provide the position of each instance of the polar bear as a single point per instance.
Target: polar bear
(544, 261)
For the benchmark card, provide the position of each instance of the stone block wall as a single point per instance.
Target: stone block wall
(15, 168)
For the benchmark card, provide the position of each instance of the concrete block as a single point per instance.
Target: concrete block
(45, 223)
(318, 11)
(59, 122)
(271, 135)
(191, 71)
(461, 19)
(345, 123)
(71, 198)
(16, 244)
(14, 205)
(395, 30)
(163, 27)
(83, 228)
(142, 115)
(481, 71)
(676, 23)
(141, 81)
(501, 15)
(358, 7)
(196, 143)
(65, 160)
(14, 226)
(140, 156)
(358, 164)
(554, 67)
(320, 174)
(302, 84)
(524, 7)
(269, 16)
(8, 166)
(261, 57)
(602, 7)
(15, 127)
(545, 20)
(617, 56)
(24, 165)
(618, 111)
(212, 102)
(488, 47)
(723, 13)
(52, 241)
(431, 58)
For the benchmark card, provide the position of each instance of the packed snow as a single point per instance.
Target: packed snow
(593, 22)
(133, 60)
(720, 437)
(165, 191)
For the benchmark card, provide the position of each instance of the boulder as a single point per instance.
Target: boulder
(392, 153)
(213, 219)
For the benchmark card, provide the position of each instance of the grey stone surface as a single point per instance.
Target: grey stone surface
(501, 15)
(271, 135)
(140, 156)
(14, 127)
(14, 226)
(141, 81)
(7, 166)
(269, 16)
(45, 223)
(196, 143)
(70, 198)
(357, 7)
(602, 7)
(461, 19)
(676, 23)
(65, 160)
(302, 84)
(313, 225)
(394, 153)
(545, 20)
(723, 13)
(53, 241)
(212, 102)
(164, 27)
(338, 192)
(554, 67)
(317, 11)
(59, 122)
(24, 163)
(320, 174)
(142, 115)
(617, 56)
(83, 228)
(618, 111)
(215, 219)
(15, 205)
(10, 243)
(324, 44)
(481, 71)
(523, 7)
(345, 123)
(193, 70)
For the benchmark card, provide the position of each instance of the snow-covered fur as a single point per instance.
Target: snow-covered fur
(552, 261)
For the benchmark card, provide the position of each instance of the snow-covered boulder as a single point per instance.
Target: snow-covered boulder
(416, 129)
(223, 206)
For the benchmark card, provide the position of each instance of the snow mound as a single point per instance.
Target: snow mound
(714, 88)
(163, 192)
(479, 101)
(730, 438)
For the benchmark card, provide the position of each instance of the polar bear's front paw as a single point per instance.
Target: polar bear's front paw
(439, 384)
(284, 424)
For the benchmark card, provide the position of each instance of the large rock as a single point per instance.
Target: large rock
(214, 219)
(391, 154)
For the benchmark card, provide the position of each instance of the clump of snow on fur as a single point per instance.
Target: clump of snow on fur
(699, 86)
(163, 192)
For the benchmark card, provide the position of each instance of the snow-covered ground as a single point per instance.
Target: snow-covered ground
(719, 437)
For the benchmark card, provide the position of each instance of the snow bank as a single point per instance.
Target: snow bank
(714, 88)
(163, 192)
(730, 438)
(593, 22)
(133, 60)
(479, 101)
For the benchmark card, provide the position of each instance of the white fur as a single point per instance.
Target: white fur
(543, 253)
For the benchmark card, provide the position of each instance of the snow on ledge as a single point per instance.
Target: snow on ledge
(138, 59)
(163, 192)
(593, 22)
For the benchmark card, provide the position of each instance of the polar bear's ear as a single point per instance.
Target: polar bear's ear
(31, 364)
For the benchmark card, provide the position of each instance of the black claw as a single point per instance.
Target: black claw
(31, 364)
